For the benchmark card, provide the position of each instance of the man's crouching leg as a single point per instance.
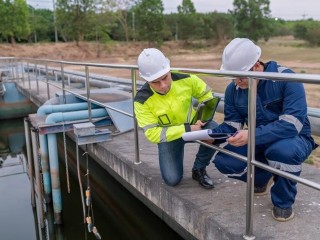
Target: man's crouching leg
(171, 161)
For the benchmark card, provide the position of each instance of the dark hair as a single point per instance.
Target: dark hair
(262, 63)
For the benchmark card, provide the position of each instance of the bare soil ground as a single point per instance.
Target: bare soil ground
(286, 51)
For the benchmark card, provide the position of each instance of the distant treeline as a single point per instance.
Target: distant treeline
(144, 20)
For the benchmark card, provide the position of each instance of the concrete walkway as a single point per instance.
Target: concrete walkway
(197, 213)
(219, 213)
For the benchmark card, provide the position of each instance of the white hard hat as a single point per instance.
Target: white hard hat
(240, 55)
(152, 64)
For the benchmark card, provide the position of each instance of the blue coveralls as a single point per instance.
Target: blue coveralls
(283, 134)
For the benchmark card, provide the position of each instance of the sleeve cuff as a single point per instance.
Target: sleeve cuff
(187, 127)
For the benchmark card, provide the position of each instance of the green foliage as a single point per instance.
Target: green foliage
(280, 27)
(218, 26)
(188, 21)
(300, 31)
(313, 36)
(251, 18)
(215, 26)
(143, 20)
(21, 26)
(41, 22)
(120, 10)
(14, 20)
(309, 31)
(115, 29)
(186, 7)
(171, 26)
(3, 18)
(75, 18)
(101, 23)
(150, 20)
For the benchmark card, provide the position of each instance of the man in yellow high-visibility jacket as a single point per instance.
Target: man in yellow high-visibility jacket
(163, 108)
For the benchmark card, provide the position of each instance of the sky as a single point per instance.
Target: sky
(285, 9)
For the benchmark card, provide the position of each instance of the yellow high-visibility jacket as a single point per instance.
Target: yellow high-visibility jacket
(165, 118)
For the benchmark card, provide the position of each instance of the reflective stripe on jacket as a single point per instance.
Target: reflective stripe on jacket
(164, 118)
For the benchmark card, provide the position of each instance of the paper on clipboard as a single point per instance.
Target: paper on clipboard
(205, 134)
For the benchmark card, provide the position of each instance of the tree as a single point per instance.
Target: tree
(217, 26)
(14, 20)
(188, 22)
(300, 31)
(280, 27)
(150, 20)
(251, 18)
(121, 8)
(3, 19)
(43, 24)
(186, 7)
(313, 36)
(308, 30)
(170, 29)
(74, 18)
(103, 20)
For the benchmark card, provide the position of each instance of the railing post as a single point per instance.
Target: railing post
(36, 74)
(22, 72)
(12, 68)
(135, 125)
(29, 83)
(17, 71)
(47, 81)
(62, 80)
(251, 157)
(88, 92)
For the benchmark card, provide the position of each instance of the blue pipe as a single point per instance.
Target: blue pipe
(73, 116)
(53, 153)
(47, 109)
(45, 167)
(44, 110)
(54, 172)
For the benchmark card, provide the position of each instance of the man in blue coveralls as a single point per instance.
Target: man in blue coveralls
(283, 136)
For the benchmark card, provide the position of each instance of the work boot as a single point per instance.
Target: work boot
(282, 214)
(201, 176)
(261, 191)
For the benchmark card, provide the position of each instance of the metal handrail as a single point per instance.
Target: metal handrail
(251, 162)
